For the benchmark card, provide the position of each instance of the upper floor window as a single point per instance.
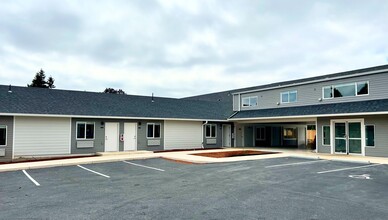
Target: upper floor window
(345, 90)
(287, 97)
(3, 135)
(153, 130)
(249, 101)
(85, 130)
(211, 131)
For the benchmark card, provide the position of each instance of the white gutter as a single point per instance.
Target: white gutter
(309, 82)
(107, 117)
(309, 116)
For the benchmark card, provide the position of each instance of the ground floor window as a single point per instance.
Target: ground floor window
(260, 133)
(370, 135)
(153, 130)
(3, 135)
(290, 133)
(326, 134)
(211, 131)
(85, 130)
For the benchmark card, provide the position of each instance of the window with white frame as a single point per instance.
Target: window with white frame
(153, 130)
(326, 135)
(370, 135)
(85, 130)
(249, 101)
(289, 96)
(346, 90)
(210, 131)
(3, 135)
(260, 133)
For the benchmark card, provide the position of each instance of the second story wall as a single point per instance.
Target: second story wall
(312, 94)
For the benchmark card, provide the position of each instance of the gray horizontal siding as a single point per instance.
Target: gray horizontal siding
(99, 139)
(7, 121)
(213, 142)
(142, 141)
(381, 136)
(310, 93)
(322, 148)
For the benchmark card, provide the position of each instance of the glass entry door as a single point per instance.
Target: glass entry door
(347, 137)
(340, 137)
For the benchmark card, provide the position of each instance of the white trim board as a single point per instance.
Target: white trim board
(311, 116)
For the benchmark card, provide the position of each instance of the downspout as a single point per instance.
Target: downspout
(203, 147)
(239, 102)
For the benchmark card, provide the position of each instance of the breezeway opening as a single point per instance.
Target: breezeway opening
(298, 134)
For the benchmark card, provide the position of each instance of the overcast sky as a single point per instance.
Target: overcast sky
(182, 48)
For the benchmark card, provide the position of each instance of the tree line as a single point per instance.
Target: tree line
(40, 81)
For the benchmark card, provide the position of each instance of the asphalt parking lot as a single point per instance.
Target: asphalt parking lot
(281, 188)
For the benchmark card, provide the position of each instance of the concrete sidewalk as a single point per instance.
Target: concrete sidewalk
(76, 161)
(186, 156)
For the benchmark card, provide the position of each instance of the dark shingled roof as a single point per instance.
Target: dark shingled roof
(321, 109)
(227, 97)
(28, 100)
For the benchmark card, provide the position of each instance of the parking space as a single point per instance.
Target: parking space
(282, 188)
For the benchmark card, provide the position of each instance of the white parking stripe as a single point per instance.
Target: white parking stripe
(93, 171)
(293, 164)
(348, 168)
(32, 179)
(139, 165)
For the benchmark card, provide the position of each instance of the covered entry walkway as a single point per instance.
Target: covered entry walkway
(284, 134)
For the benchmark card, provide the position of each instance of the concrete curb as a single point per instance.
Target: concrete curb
(66, 162)
(186, 157)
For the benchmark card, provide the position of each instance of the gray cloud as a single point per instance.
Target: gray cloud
(177, 48)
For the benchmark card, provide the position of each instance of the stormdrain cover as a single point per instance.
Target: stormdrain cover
(363, 176)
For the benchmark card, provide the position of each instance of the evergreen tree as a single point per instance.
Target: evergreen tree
(114, 91)
(50, 82)
(40, 81)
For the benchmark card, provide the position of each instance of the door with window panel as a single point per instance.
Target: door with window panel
(348, 137)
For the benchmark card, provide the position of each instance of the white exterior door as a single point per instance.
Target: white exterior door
(226, 135)
(111, 137)
(130, 136)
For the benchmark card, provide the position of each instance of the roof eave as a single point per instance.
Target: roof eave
(309, 116)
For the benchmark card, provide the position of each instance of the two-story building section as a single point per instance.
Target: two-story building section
(341, 113)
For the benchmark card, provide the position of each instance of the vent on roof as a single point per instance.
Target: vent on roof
(10, 89)
(152, 98)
